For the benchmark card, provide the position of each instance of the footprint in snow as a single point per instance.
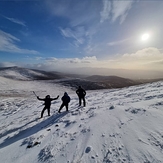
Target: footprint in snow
(111, 107)
(135, 110)
(28, 141)
(88, 149)
(31, 145)
(45, 154)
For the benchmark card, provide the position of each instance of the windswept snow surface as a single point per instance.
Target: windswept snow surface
(117, 126)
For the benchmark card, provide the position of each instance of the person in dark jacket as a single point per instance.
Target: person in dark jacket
(65, 101)
(81, 94)
(47, 102)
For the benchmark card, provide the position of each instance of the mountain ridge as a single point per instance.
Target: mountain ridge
(19, 73)
(71, 80)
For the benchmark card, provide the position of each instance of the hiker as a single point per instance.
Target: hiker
(81, 94)
(47, 102)
(65, 101)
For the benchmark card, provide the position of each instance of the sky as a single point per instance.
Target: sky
(71, 34)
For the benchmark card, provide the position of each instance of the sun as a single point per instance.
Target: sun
(145, 37)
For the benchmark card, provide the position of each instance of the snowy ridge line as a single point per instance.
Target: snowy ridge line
(25, 74)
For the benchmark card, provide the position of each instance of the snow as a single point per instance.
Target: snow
(116, 126)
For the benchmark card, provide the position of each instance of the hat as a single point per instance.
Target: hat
(48, 96)
(65, 94)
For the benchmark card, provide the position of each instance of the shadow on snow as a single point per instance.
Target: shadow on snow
(31, 130)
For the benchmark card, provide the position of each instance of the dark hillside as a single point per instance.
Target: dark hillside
(112, 81)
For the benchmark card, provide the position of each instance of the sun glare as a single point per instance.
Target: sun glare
(145, 37)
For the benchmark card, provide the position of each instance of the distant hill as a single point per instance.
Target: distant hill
(111, 81)
(19, 73)
(71, 80)
(100, 82)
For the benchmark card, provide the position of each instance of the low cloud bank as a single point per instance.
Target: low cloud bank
(145, 63)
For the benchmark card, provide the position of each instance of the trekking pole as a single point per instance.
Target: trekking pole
(34, 93)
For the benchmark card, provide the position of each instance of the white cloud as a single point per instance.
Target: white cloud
(142, 59)
(91, 59)
(16, 21)
(65, 64)
(115, 9)
(137, 61)
(105, 13)
(145, 59)
(117, 42)
(76, 12)
(7, 44)
(78, 34)
(150, 53)
(148, 58)
(71, 61)
(120, 9)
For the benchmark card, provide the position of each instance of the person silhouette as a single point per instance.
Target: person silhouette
(47, 102)
(65, 101)
(81, 94)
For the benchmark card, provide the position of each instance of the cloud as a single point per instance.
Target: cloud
(148, 58)
(134, 65)
(16, 21)
(120, 9)
(105, 13)
(7, 64)
(7, 44)
(117, 42)
(65, 64)
(78, 34)
(76, 12)
(115, 9)
(150, 53)
(73, 61)
(142, 59)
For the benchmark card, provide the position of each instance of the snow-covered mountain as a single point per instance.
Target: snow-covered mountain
(116, 126)
(19, 73)
(71, 80)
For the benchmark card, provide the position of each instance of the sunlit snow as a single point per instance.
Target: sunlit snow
(116, 126)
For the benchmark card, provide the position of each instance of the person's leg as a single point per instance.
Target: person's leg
(66, 107)
(84, 101)
(48, 109)
(43, 111)
(79, 101)
(62, 105)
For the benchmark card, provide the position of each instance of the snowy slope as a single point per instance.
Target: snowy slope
(117, 126)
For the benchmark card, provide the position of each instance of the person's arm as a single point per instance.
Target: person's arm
(77, 92)
(41, 99)
(55, 98)
(84, 92)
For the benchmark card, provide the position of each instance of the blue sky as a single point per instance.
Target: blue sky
(62, 34)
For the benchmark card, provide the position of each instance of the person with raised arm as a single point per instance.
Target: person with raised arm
(47, 102)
